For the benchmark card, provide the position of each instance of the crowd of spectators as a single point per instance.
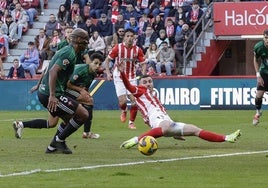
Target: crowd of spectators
(155, 22)
(16, 17)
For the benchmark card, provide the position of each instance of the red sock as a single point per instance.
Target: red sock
(155, 132)
(133, 113)
(212, 137)
(123, 106)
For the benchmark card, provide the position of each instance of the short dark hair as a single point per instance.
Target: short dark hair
(130, 30)
(96, 55)
(164, 42)
(31, 43)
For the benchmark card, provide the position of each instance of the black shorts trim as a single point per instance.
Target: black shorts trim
(66, 106)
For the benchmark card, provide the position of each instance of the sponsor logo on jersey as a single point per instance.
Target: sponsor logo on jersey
(65, 62)
(75, 77)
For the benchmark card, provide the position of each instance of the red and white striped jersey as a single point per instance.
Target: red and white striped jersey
(148, 103)
(129, 56)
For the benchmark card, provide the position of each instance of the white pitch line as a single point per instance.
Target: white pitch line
(131, 163)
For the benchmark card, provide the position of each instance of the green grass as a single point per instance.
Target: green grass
(97, 161)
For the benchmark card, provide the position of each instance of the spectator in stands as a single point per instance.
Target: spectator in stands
(145, 6)
(62, 16)
(77, 22)
(21, 18)
(96, 44)
(51, 25)
(68, 3)
(179, 25)
(86, 10)
(75, 11)
(131, 12)
(158, 24)
(144, 40)
(180, 39)
(162, 38)
(152, 56)
(166, 59)
(11, 30)
(105, 28)
(144, 21)
(3, 5)
(3, 45)
(31, 9)
(132, 24)
(12, 5)
(55, 40)
(114, 12)
(16, 71)
(4, 15)
(30, 59)
(119, 23)
(4, 36)
(90, 27)
(162, 7)
(180, 14)
(42, 42)
(194, 15)
(97, 7)
(170, 31)
(118, 36)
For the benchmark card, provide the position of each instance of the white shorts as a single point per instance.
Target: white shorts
(120, 88)
(157, 117)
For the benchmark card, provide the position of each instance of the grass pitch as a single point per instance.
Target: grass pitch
(100, 163)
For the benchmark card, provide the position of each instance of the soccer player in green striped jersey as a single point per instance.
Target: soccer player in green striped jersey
(261, 67)
(52, 95)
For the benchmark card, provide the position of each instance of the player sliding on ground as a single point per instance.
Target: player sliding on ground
(155, 115)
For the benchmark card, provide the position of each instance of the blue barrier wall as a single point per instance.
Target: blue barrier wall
(185, 93)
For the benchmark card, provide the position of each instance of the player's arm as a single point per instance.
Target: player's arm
(126, 82)
(257, 63)
(35, 87)
(82, 96)
(79, 89)
(107, 68)
(53, 75)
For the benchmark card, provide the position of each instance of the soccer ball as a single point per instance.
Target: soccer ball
(147, 145)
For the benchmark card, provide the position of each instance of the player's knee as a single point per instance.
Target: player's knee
(82, 113)
(174, 129)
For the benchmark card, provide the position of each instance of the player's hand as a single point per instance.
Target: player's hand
(109, 76)
(84, 95)
(52, 103)
(89, 101)
(260, 81)
(34, 88)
